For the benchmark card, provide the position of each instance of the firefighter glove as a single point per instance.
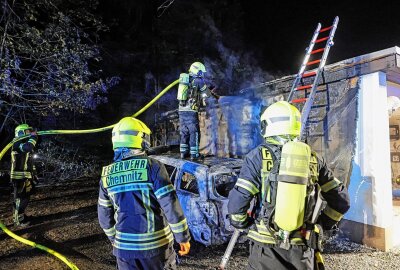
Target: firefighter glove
(185, 248)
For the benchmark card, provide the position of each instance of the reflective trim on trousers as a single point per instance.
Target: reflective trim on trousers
(194, 150)
(183, 148)
(20, 175)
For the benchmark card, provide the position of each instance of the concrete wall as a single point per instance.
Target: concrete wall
(370, 218)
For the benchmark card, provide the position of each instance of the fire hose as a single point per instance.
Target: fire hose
(52, 132)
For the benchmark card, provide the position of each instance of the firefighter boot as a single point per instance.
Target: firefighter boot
(20, 219)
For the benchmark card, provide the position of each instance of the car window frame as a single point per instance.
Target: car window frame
(178, 186)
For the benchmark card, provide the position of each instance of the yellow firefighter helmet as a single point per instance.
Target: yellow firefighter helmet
(132, 133)
(280, 118)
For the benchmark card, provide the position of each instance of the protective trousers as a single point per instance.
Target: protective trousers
(22, 191)
(274, 258)
(189, 132)
(162, 261)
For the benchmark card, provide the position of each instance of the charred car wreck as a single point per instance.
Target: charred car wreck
(202, 188)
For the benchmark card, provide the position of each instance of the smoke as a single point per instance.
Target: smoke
(232, 70)
(230, 67)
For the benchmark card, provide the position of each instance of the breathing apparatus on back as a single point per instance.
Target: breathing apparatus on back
(281, 125)
(196, 70)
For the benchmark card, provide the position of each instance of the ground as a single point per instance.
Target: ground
(65, 219)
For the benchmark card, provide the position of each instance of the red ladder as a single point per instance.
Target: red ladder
(312, 73)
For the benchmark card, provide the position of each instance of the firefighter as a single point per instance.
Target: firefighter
(22, 172)
(192, 92)
(287, 182)
(137, 206)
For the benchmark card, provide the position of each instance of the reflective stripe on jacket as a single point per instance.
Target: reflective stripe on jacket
(21, 158)
(138, 208)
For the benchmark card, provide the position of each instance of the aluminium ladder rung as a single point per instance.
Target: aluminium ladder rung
(309, 98)
(303, 87)
(305, 60)
(321, 39)
(314, 62)
(299, 100)
(318, 50)
(309, 74)
(325, 29)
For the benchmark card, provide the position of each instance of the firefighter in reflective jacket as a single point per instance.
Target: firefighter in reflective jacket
(137, 207)
(192, 92)
(22, 172)
(287, 181)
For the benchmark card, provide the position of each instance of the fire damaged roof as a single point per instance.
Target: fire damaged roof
(387, 60)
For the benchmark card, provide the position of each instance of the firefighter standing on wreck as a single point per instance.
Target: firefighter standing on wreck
(137, 207)
(192, 92)
(23, 172)
(286, 178)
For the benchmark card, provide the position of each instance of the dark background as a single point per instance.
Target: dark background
(242, 43)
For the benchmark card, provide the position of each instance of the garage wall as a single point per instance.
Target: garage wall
(370, 191)
(370, 184)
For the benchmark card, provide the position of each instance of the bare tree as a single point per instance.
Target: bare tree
(49, 59)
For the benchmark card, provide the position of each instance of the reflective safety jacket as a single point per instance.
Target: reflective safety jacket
(21, 158)
(197, 91)
(138, 208)
(250, 185)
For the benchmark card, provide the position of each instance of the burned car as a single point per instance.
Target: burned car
(202, 188)
(229, 130)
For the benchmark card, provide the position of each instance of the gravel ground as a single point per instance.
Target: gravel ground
(65, 219)
(339, 254)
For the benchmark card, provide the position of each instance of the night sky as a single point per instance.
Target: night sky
(274, 32)
(282, 29)
(268, 38)
(242, 43)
